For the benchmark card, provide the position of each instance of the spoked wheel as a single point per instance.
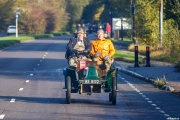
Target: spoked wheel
(110, 97)
(114, 91)
(68, 92)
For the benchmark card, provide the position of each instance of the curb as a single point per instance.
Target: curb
(152, 81)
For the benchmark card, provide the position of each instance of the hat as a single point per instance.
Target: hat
(100, 30)
(80, 31)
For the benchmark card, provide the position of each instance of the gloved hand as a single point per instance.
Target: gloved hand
(107, 57)
(85, 51)
(97, 54)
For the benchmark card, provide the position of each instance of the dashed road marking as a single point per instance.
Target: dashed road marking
(131, 85)
(147, 98)
(27, 81)
(31, 74)
(143, 96)
(158, 108)
(43, 58)
(21, 89)
(166, 115)
(161, 111)
(13, 100)
(2, 116)
(44, 55)
(153, 104)
(40, 60)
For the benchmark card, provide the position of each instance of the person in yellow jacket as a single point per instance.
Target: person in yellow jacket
(102, 49)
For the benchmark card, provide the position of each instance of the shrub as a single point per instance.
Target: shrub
(160, 82)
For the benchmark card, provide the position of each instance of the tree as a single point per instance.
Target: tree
(147, 22)
(7, 13)
(75, 9)
(47, 17)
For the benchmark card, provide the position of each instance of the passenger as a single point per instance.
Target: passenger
(79, 27)
(79, 45)
(84, 29)
(102, 50)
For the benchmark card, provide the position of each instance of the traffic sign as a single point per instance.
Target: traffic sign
(117, 24)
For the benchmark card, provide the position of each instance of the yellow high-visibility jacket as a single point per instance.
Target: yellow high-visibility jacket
(105, 46)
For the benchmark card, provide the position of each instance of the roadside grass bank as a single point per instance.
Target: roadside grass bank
(124, 56)
(11, 40)
(127, 57)
(155, 53)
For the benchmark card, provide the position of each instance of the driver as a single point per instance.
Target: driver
(102, 50)
(78, 48)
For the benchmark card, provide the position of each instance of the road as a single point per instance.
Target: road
(31, 88)
(2, 34)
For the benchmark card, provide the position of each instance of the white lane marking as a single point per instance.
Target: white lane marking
(161, 111)
(31, 74)
(21, 89)
(153, 104)
(13, 100)
(158, 108)
(27, 81)
(43, 58)
(166, 115)
(143, 96)
(137, 91)
(44, 55)
(147, 98)
(40, 60)
(2, 116)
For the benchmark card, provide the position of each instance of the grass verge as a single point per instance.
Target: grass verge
(127, 57)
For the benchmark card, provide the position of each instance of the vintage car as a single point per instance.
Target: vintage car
(90, 77)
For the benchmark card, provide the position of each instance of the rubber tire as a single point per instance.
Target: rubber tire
(65, 82)
(68, 92)
(114, 93)
(110, 97)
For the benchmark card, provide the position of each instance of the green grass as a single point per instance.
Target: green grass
(128, 57)
(124, 56)
(160, 82)
(125, 42)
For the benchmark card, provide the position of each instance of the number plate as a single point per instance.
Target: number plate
(91, 81)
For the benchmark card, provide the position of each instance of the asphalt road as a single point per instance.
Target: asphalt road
(2, 34)
(31, 88)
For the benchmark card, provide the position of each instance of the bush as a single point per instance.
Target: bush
(160, 82)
